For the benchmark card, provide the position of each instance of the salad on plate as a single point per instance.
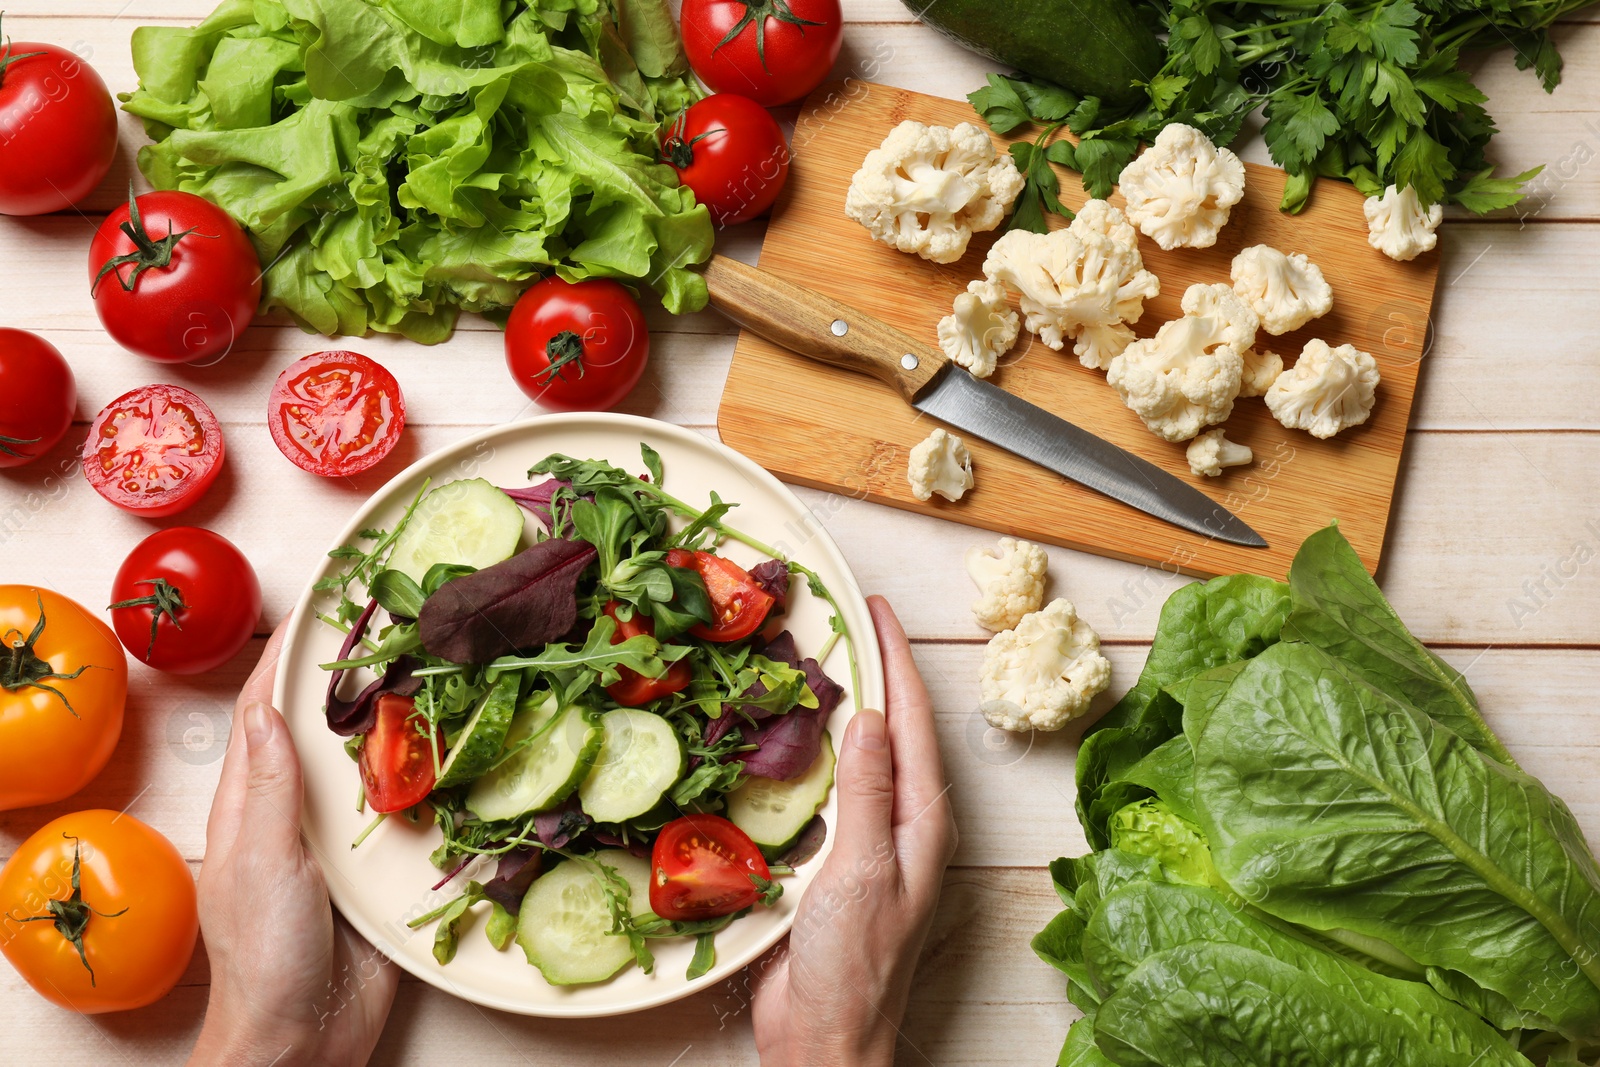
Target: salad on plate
(600, 711)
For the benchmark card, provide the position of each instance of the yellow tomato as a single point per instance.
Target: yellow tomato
(63, 684)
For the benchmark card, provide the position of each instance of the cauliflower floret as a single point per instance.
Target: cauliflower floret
(1087, 282)
(1285, 291)
(1212, 451)
(1043, 674)
(940, 464)
(1398, 226)
(1181, 188)
(929, 188)
(980, 329)
(1261, 369)
(1010, 580)
(1327, 390)
(1186, 377)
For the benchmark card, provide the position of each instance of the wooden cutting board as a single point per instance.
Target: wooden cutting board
(830, 429)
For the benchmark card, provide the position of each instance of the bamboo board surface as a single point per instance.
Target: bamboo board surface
(817, 426)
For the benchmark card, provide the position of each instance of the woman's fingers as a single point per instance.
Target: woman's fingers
(227, 805)
(918, 768)
(272, 795)
(866, 786)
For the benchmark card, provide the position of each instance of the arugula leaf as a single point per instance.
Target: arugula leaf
(597, 659)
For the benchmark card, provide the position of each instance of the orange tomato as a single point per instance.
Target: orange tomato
(134, 898)
(63, 684)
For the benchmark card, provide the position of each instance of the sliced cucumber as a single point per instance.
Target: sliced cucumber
(464, 522)
(484, 735)
(550, 750)
(565, 923)
(642, 757)
(772, 812)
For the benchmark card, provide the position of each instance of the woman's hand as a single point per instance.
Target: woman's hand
(836, 991)
(290, 981)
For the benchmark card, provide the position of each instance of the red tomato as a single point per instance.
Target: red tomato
(703, 867)
(634, 689)
(729, 150)
(772, 51)
(185, 601)
(739, 606)
(397, 768)
(577, 346)
(37, 397)
(153, 451)
(336, 413)
(58, 126)
(174, 277)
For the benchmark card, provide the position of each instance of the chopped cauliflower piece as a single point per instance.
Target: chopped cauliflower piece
(1212, 451)
(1187, 376)
(1010, 579)
(1399, 226)
(1181, 189)
(1326, 391)
(980, 329)
(1285, 291)
(1261, 369)
(940, 464)
(1044, 673)
(927, 189)
(1087, 282)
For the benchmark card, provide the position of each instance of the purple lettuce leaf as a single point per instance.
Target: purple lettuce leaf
(515, 873)
(787, 745)
(520, 604)
(536, 500)
(555, 829)
(781, 649)
(773, 577)
(357, 714)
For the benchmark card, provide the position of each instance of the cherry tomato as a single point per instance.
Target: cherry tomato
(772, 51)
(336, 413)
(58, 126)
(154, 451)
(704, 867)
(634, 689)
(174, 277)
(729, 150)
(185, 601)
(397, 768)
(100, 912)
(738, 603)
(63, 684)
(37, 397)
(577, 346)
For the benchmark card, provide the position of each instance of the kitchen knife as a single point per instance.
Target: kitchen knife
(825, 330)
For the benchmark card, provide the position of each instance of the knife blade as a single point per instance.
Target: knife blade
(831, 332)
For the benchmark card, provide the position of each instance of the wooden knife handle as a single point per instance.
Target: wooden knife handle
(820, 328)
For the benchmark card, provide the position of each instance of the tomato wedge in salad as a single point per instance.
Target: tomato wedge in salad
(634, 690)
(397, 768)
(336, 413)
(154, 451)
(704, 867)
(738, 605)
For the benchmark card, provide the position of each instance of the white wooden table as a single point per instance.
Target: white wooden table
(1493, 558)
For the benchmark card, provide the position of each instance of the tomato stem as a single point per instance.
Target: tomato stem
(70, 914)
(21, 667)
(7, 442)
(6, 58)
(758, 11)
(166, 600)
(564, 348)
(677, 152)
(151, 254)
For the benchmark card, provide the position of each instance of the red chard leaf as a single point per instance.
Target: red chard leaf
(519, 605)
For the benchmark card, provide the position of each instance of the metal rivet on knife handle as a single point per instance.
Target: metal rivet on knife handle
(840, 327)
(909, 362)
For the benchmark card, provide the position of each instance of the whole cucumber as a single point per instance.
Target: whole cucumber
(1093, 47)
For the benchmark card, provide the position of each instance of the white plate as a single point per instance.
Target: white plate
(386, 882)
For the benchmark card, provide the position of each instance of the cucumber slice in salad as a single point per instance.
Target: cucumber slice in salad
(464, 522)
(564, 926)
(642, 757)
(484, 735)
(550, 750)
(774, 813)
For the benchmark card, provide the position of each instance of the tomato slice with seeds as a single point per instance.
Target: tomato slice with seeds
(738, 605)
(397, 769)
(154, 451)
(704, 867)
(336, 413)
(633, 689)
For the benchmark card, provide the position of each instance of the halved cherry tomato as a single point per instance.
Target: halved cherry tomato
(634, 689)
(703, 867)
(738, 604)
(154, 451)
(185, 600)
(397, 768)
(336, 413)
